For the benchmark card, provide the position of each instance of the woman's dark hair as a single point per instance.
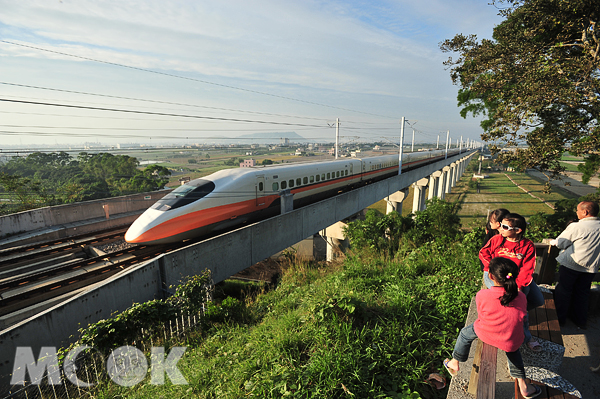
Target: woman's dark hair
(505, 272)
(517, 221)
(498, 214)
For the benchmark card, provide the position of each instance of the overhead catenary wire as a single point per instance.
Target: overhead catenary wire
(157, 101)
(193, 79)
(155, 113)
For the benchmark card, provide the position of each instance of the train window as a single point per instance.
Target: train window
(337, 174)
(328, 176)
(318, 178)
(291, 183)
(283, 185)
(305, 180)
(185, 194)
(346, 172)
(275, 186)
(312, 179)
(322, 176)
(260, 186)
(298, 181)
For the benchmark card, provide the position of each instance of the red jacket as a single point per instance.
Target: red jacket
(521, 252)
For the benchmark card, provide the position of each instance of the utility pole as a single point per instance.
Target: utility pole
(337, 136)
(401, 145)
(412, 148)
(437, 146)
(460, 148)
(447, 143)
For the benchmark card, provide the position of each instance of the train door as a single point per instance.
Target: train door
(260, 190)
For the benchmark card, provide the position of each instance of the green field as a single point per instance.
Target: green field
(495, 191)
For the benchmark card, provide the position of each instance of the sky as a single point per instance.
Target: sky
(158, 71)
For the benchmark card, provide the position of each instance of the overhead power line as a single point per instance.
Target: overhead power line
(155, 101)
(157, 113)
(192, 79)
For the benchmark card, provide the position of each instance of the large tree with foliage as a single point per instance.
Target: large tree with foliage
(537, 82)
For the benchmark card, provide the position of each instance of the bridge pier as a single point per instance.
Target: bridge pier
(334, 236)
(434, 184)
(394, 201)
(444, 179)
(419, 188)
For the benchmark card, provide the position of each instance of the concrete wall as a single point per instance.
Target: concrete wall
(65, 220)
(224, 255)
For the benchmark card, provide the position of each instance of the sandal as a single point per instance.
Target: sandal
(537, 393)
(451, 371)
(534, 346)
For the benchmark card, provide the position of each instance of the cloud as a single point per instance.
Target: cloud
(335, 52)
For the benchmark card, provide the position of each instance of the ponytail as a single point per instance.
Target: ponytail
(505, 272)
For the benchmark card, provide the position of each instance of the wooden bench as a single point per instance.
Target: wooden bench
(543, 323)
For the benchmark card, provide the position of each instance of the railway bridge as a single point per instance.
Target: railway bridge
(224, 256)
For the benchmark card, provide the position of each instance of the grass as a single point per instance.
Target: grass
(569, 167)
(365, 328)
(498, 191)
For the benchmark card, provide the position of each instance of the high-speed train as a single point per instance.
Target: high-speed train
(232, 197)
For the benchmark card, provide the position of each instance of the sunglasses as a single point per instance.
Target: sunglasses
(507, 227)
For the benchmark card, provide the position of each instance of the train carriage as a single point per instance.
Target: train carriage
(232, 197)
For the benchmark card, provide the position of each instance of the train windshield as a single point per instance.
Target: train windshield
(185, 194)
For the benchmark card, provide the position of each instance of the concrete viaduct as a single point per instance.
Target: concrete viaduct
(224, 256)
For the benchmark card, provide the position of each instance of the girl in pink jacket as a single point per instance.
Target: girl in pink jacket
(501, 310)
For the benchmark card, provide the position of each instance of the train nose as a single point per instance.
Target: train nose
(131, 236)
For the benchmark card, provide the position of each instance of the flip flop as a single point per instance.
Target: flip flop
(537, 393)
(451, 371)
(534, 346)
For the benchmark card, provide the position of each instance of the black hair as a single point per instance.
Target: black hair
(498, 214)
(505, 272)
(517, 221)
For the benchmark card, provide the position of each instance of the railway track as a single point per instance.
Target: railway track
(34, 275)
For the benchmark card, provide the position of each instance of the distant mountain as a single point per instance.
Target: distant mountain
(292, 136)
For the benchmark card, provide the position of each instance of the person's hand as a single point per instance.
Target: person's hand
(554, 242)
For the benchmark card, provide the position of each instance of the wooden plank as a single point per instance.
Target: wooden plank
(553, 325)
(554, 393)
(542, 323)
(474, 380)
(486, 386)
(533, 322)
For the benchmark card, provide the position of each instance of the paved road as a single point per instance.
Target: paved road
(573, 181)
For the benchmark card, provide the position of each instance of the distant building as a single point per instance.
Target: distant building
(184, 180)
(284, 141)
(248, 163)
(331, 151)
(376, 148)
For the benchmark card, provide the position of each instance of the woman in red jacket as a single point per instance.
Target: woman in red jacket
(512, 244)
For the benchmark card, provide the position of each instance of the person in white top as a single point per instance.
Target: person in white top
(579, 259)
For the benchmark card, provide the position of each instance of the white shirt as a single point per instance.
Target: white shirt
(580, 245)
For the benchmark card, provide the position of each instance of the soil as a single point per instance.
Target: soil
(582, 352)
(267, 270)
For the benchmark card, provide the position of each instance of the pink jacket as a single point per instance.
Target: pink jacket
(497, 325)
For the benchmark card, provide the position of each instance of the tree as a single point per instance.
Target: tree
(267, 162)
(537, 82)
